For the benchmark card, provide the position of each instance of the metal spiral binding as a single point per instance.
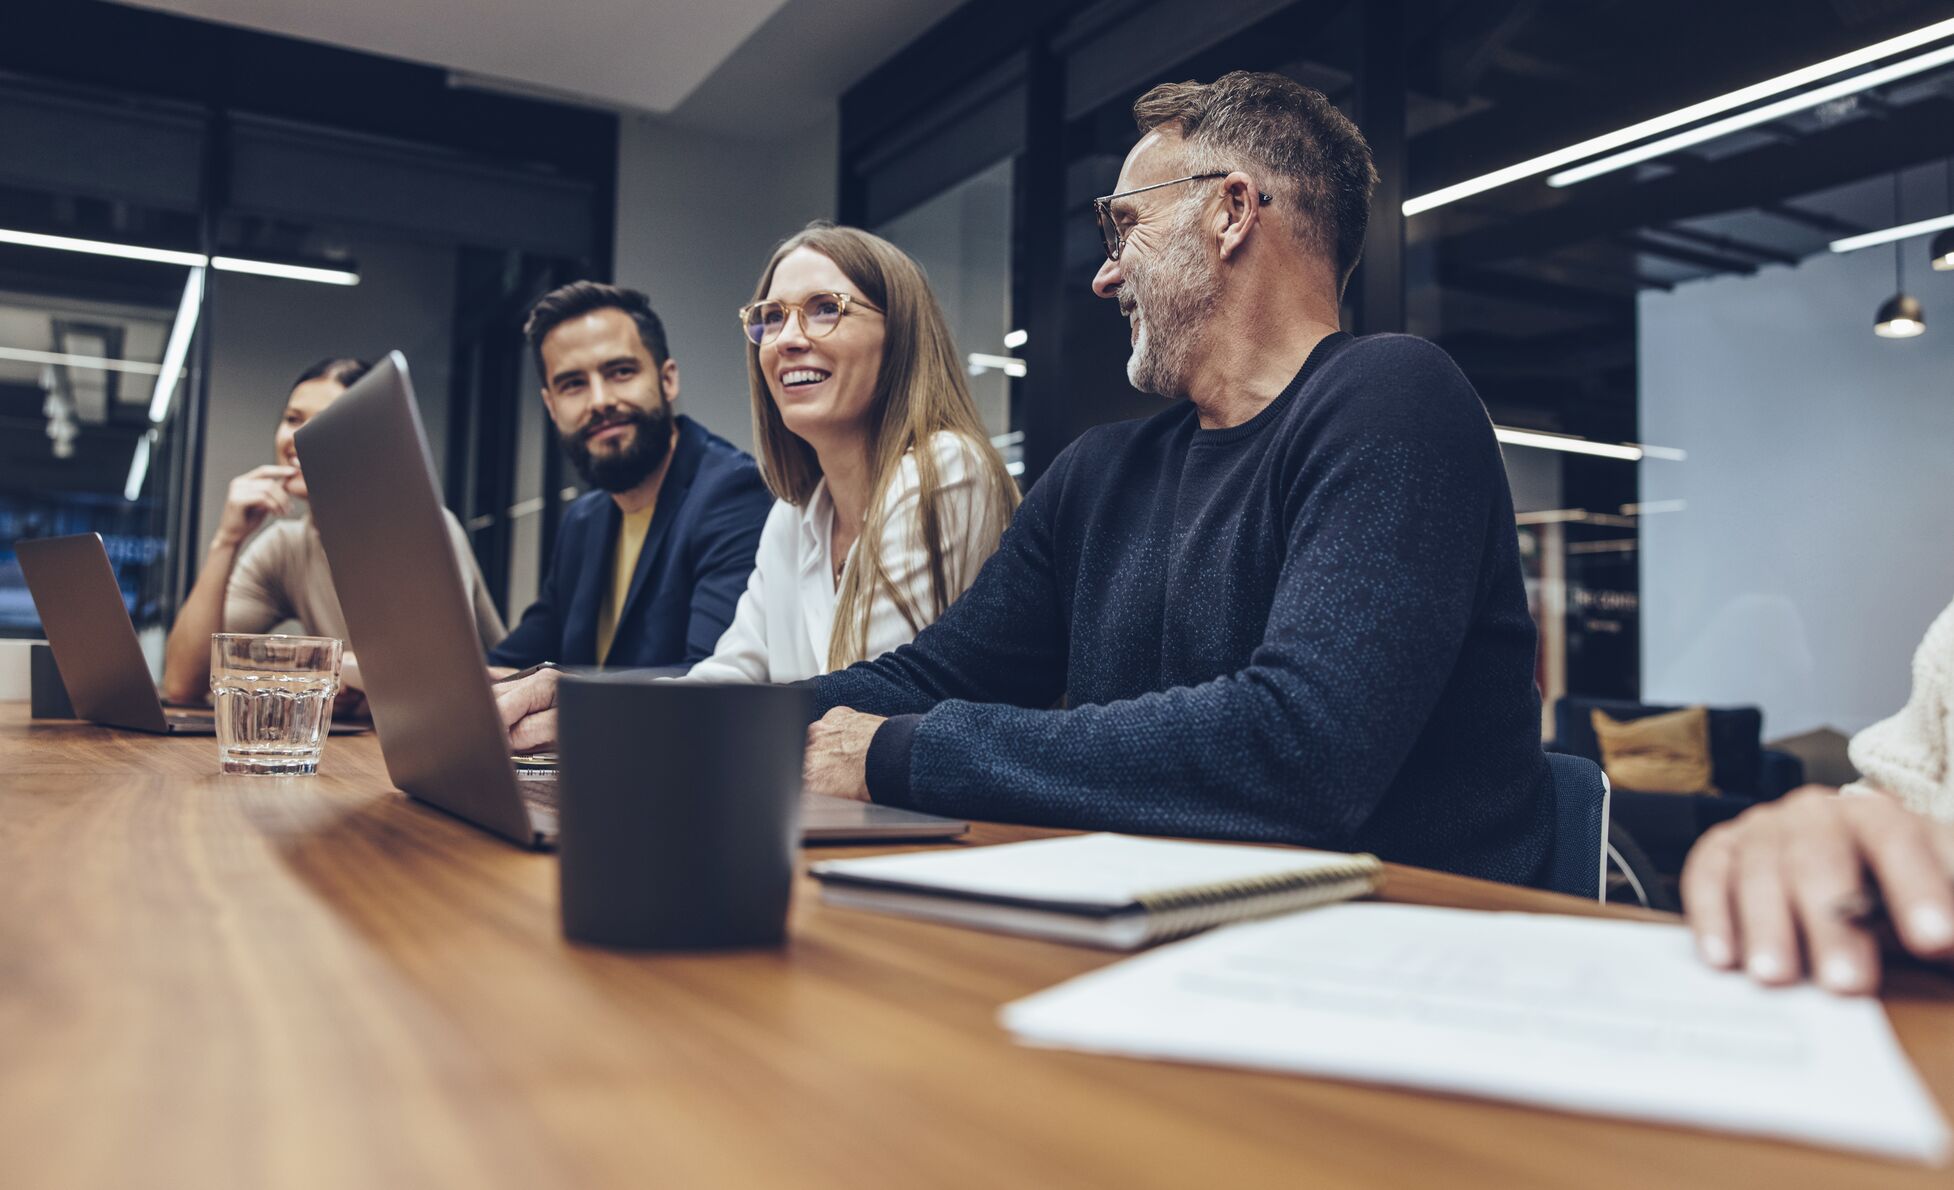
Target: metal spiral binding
(1178, 912)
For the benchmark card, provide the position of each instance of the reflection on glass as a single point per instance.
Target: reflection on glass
(79, 362)
(962, 238)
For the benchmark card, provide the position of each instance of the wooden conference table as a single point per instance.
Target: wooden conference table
(224, 981)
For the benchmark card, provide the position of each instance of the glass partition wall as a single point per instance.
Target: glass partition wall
(1641, 249)
(88, 443)
(170, 260)
(102, 288)
(962, 238)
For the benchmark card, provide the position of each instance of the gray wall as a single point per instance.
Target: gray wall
(267, 330)
(1818, 541)
(697, 217)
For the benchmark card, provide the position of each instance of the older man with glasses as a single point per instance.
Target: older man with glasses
(1287, 608)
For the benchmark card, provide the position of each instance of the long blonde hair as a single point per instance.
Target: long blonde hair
(919, 393)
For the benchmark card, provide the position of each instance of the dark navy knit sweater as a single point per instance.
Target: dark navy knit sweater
(1309, 628)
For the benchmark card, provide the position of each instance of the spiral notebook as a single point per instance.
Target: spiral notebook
(1111, 891)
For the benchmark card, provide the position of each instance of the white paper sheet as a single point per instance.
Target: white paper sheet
(1579, 1014)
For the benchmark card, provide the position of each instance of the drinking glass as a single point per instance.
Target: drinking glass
(274, 699)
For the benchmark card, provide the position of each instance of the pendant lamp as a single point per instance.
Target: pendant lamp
(1900, 316)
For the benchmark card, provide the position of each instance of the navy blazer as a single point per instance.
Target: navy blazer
(691, 572)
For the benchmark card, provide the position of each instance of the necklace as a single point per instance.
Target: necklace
(840, 560)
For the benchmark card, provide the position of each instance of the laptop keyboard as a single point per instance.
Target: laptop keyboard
(538, 787)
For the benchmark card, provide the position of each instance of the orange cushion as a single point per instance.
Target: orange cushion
(1667, 753)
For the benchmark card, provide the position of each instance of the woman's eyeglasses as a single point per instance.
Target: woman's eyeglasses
(820, 314)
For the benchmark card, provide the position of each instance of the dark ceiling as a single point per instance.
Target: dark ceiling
(1532, 288)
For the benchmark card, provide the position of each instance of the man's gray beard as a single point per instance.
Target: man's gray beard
(1173, 295)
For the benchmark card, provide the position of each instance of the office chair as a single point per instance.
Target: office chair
(1580, 863)
(1638, 875)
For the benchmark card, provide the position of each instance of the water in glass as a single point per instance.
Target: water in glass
(274, 700)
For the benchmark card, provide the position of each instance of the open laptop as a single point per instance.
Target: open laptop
(94, 642)
(371, 479)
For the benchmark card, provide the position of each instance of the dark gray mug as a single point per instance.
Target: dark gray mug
(679, 811)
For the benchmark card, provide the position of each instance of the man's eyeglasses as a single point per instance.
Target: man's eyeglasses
(1102, 209)
(820, 314)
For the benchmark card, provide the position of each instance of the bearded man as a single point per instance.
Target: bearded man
(1289, 607)
(649, 565)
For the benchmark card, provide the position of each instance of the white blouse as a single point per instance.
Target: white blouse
(785, 619)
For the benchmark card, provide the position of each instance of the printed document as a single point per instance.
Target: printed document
(1615, 1018)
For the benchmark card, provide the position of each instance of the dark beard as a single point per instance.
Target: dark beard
(625, 469)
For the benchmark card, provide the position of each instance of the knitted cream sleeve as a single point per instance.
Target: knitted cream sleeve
(1907, 755)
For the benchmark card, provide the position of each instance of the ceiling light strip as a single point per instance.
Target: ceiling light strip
(1756, 116)
(1680, 117)
(138, 467)
(178, 348)
(1568, 444)
(62, 359)
(1903, 232)
(194, 260)
(30, 239)
(290, 272)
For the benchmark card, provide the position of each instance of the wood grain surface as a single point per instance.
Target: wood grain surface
(215, 981)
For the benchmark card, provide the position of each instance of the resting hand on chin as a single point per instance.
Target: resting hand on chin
(836, 763)
(257, 495)
(528, 708)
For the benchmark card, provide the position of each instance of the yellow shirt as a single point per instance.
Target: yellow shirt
(624, 565)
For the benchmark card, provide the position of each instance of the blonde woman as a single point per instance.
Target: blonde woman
(889, 493)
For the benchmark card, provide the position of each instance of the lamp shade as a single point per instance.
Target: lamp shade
(1941, 253)
(1900, 318)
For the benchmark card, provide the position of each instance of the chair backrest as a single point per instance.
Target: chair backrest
(1580, 862)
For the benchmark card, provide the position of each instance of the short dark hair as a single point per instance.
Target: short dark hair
(1292, 130)
(342, 368)
(578, 298)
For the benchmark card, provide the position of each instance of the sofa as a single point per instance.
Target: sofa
(1666, 825)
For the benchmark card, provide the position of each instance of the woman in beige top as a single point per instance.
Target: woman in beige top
(1783, 889)
(281, 574)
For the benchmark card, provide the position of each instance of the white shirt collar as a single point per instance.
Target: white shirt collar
(817, 518)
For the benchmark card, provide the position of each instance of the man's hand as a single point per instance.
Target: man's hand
(1796, 869)
(528, 707)
(836, 763)
(253, 496)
